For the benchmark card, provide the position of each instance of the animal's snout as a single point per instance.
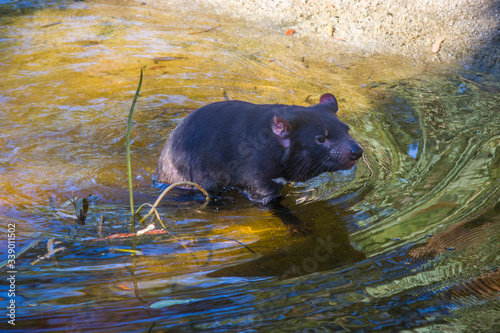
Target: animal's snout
(356, 152)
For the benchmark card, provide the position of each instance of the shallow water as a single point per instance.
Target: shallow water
(408, 240)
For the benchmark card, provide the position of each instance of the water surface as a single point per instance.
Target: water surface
(408, 240)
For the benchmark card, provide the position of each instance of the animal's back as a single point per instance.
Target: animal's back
(221, 145)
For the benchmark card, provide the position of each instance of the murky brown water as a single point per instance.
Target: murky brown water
(408, 240)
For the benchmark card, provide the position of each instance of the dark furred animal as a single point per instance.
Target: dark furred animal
(257, 149)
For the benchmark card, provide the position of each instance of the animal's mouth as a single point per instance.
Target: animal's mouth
(346, 159)
(347, 165)
(335, 165)
(343, 162)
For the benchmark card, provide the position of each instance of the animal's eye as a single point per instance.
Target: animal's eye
(320, 139)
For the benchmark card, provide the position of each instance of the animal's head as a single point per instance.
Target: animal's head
(316, 141)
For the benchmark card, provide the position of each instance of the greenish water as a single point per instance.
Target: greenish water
(406, 241)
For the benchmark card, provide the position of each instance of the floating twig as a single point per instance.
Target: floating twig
(480, 85)
(206, 30)
(128, 235)
(156, 60)
(50, 24)
(234, 240)
(50, 250)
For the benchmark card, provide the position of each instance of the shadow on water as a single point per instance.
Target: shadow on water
(325, 246)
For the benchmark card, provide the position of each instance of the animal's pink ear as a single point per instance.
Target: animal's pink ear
(282, 128)
(331, 101)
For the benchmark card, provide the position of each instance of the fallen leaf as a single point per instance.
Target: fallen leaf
(290, 32)
(437, 45)
(124, 286)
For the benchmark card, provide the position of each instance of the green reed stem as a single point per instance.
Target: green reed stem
(129, 165)
(153, 207)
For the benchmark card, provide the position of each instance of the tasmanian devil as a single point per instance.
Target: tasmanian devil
(257, 149)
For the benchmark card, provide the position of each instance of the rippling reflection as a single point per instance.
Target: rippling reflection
(407, 240)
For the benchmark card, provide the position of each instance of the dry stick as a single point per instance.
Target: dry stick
(153, 208)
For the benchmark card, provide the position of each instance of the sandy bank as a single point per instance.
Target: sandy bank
(464, 32)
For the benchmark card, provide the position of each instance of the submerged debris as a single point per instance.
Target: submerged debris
(50, 250)
(206, 30)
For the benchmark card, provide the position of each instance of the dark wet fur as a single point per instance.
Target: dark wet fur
(257, 148)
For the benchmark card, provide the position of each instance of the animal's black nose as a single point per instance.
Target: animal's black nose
(356, 152)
